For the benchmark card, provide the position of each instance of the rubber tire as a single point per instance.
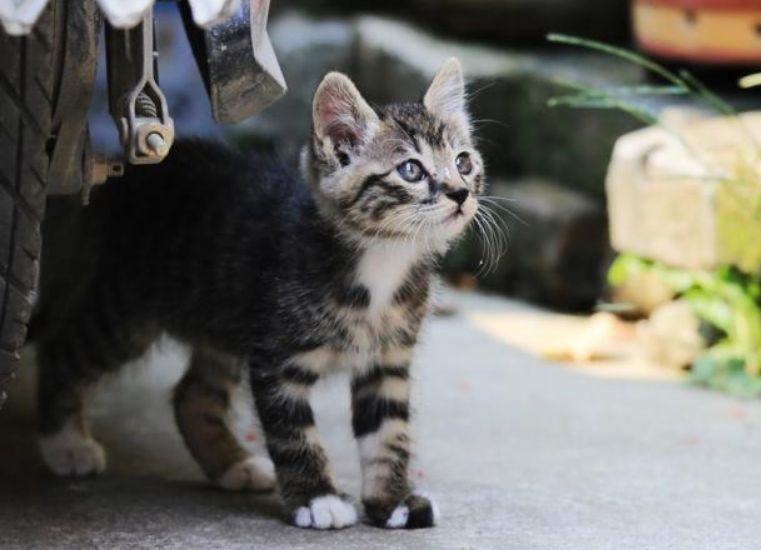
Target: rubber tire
(29, 69)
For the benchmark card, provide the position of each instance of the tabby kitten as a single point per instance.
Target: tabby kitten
(290, 278)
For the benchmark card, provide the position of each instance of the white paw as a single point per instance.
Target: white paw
(328, 512)
(425, 513)
(255, 473)
(399, 516)
(69, 453)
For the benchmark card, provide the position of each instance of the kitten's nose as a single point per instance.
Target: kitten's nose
(459, 195)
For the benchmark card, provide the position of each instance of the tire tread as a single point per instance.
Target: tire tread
(26, 95)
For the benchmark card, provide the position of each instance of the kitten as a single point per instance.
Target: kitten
(290, 278)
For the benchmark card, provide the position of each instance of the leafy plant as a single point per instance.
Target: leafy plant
(725, 298)
(681, 82)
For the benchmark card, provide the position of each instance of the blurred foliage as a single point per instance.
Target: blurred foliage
(744, 177)
(727, 300)
(625, 98)
(724, 298)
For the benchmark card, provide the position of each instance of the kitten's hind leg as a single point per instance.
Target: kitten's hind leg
(71, 363)
(202, 404)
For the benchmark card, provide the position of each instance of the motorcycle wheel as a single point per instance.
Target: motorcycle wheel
(30, 68)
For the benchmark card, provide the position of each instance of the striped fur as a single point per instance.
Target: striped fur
(290, 278)
(202, 402)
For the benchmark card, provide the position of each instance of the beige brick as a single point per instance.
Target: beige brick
(689, 201)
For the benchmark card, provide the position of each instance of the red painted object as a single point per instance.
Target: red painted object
(715, 32)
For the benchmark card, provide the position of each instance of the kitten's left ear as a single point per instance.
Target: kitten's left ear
(446, 95)
(340, 113)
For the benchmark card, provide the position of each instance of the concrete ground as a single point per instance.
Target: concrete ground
(520, 454)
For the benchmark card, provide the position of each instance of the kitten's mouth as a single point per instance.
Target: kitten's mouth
(454, 216)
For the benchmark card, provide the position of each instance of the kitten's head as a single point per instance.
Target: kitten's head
(406, 171)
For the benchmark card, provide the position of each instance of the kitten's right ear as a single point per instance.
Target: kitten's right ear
(341, 114)
(446, 95)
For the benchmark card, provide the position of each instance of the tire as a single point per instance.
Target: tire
(29, 69)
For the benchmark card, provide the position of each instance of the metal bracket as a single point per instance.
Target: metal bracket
(237, 62)
(137, 104)
(96, 169)
(78, 52)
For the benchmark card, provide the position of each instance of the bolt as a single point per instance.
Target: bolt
(115, 168)
(156, 144)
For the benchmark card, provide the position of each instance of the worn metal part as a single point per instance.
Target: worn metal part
(104, 168)
(19, 16)
(80, 25)
(137, 104)
(238, 63)
(96, 169)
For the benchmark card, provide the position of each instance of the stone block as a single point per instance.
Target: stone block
(689, 196)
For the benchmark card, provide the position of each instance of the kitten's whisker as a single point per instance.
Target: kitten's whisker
(488, 262)
(485, 242)
(496, 197)
(496, 243)
(499, 220)
(478, 228)
(499, 224)
(396, 223)
(492, 202)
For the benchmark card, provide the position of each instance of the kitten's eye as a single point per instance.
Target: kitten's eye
(411, 171)
(464, 164)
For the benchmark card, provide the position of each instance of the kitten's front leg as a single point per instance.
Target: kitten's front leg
(380, 403)
(303, 472)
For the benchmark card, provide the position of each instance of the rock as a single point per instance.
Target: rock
(689, 197)
(671, 336)
(643, 292)
(557, 247)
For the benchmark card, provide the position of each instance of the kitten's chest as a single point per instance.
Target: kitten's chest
(384, 306)
(382, 271)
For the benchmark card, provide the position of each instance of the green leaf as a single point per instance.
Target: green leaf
(706, 94)
(628, 55)
(623, 267)
(712, 309)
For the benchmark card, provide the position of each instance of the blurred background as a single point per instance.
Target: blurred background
(624, 172)
(547, 116)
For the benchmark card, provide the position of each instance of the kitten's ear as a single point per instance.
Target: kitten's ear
(340, 113)
(446, 95)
